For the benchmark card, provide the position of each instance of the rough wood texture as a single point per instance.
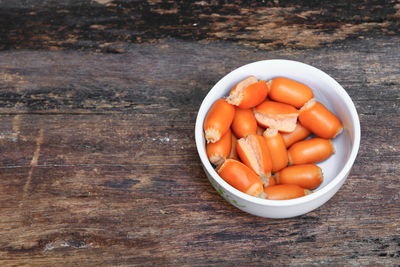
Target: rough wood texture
(98, 163)
(108, 26)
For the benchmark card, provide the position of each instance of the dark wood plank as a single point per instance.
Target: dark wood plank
(176, 75)
(109, 26)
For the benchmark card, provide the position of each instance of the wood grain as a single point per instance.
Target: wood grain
(109, 26)
(98, 163)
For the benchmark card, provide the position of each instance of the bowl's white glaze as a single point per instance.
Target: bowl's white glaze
(335, 169)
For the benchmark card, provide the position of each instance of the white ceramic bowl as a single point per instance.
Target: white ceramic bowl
(335, 169)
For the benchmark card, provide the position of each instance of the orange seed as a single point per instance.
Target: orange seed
(285, 191)
(310, 151)
(319, 120)
(241, 177)
(288, 91)
(219, 151)
(218, 120)
(282, 117)
(306, 175)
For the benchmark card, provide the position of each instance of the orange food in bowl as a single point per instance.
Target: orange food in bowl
(271, 181)
(288, 91)
(253, 152)
(299, 133)
(218, 120)
(219, 151)
(248, 93)
(250, 137)
(282, 117)
(244, 123)
(310, 151)
(233, 154)
(277, 149)
(285, 191)
(241, 177)
(319, 120)
(308, 176)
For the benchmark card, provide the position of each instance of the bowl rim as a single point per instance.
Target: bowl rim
(315, 195)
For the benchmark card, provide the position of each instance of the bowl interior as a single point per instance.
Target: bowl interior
(326, 91)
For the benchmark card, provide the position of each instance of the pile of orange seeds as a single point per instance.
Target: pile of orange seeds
(258, 138)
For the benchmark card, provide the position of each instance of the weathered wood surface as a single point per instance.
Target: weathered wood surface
(108, 26)
(98, 164)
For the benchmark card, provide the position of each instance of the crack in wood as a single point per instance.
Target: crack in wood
(33, 164)
(16, 127)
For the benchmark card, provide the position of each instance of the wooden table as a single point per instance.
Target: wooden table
(98, 162)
